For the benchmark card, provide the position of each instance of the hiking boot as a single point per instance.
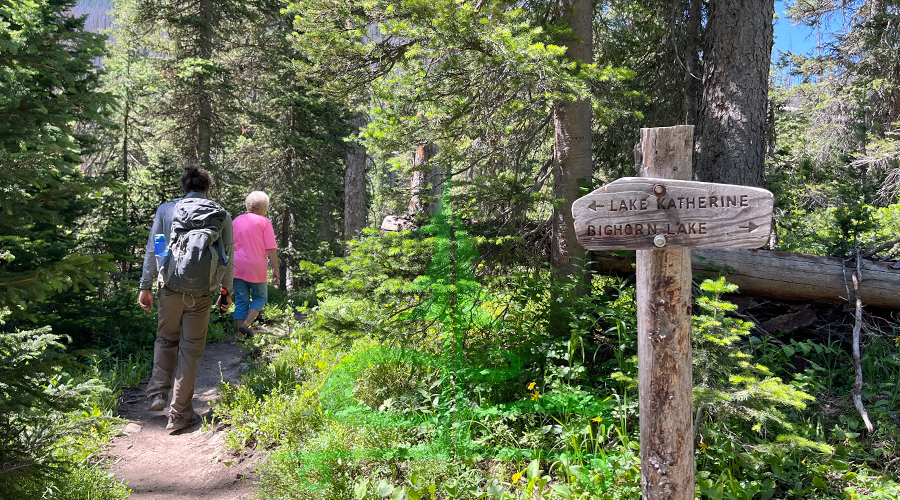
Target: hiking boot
(177, 423)
(158, 402)
(245, 330)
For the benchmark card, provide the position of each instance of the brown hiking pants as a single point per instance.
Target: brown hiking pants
(180, 340)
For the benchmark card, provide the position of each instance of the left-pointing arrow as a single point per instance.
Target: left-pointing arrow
(593, 206)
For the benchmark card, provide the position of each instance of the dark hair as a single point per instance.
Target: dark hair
(196, 180)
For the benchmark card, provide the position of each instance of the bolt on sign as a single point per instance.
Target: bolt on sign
(662, 215)
(634, 213)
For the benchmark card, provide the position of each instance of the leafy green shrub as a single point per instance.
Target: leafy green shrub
(837, 230)
(282, 305)
(360, 295)
(378, 297)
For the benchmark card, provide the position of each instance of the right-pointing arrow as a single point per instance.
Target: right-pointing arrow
(750, 227)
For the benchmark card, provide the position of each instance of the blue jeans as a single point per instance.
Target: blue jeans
(249, 296)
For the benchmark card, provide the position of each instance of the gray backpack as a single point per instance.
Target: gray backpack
(197, 260)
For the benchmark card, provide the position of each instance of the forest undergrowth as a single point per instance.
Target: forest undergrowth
(411, 367)
(774, 416)
(59, 415)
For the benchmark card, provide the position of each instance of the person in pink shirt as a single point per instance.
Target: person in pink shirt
(254, 248)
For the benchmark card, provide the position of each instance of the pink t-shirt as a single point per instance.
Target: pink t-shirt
(253, 235)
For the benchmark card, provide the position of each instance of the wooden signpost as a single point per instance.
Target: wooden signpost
(663, 214)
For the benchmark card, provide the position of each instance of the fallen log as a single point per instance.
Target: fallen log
(786, 276)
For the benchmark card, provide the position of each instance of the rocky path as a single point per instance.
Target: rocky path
(191, 464)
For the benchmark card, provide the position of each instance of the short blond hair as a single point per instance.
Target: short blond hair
(257, 201)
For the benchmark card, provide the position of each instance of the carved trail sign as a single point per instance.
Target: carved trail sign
(663, 214)
(645, 213)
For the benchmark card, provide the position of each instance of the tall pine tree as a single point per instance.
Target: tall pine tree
(48, 87)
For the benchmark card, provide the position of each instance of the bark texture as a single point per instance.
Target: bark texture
(204, 101)
(691, 81)
(572, 167)
(283, 245)
(731, 140)
(425, 181)
(355, 200)
(783, 275)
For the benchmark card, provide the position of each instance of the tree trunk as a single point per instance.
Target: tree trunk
(284, 244)
(355, 202)
(204, 116)
(421, 179)
(894, 107)
(731, 141)
(572, 169)
(783, 275)
(126, 117)
(691, 79)
(436, 185)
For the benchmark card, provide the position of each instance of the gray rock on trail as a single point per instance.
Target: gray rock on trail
(131, 428)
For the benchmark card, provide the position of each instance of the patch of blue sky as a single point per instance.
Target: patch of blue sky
(791, 37)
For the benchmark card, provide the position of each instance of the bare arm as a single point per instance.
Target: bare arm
(150, 271)
(273, 259)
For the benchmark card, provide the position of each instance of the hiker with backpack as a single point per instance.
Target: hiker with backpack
(254, 248)
(190, 255)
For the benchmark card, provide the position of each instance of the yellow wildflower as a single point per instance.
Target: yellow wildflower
(535, 395)
(703, 447)
(852, 496)
(516, 477)
(897, 339)
(597, 419)
(531, 386)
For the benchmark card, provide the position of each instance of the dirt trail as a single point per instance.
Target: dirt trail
(191, 464)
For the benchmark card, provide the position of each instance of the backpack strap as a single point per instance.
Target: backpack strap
(220, 249)
(223, 258)
(220, 245)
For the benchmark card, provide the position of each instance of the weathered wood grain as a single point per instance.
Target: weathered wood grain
(802, 277)
(629, 213)
(664, 337)
(785, 276)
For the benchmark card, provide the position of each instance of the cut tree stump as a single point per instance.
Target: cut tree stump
(785, 275)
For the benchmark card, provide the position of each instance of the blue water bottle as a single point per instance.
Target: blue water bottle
(161, 248)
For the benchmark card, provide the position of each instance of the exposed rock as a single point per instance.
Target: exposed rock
(132, 428)
(393, 223)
